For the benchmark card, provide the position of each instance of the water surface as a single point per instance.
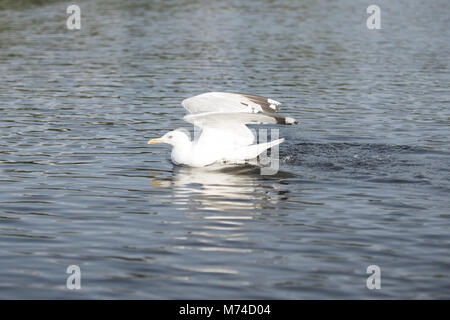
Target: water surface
(363, 180)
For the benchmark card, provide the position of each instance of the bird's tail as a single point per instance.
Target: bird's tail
(251, 152)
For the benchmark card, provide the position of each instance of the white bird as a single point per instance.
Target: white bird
(224, 138)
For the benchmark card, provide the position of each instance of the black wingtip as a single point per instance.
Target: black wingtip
(284, 120)
(290, 121)
(266, 104)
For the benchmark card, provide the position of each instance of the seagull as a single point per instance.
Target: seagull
(225, 138)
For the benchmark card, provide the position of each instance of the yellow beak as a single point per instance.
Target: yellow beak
(153, 141)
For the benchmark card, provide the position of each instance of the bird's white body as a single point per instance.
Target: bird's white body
(202, 153)
(225, 138)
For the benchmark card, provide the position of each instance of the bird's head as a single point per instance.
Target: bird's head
(173, 138)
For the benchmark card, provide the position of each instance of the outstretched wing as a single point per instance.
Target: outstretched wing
(229, 128)
(229, 102)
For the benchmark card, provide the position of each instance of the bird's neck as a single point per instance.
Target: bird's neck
(181, 152)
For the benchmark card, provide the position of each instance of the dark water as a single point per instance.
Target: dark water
(364, 180)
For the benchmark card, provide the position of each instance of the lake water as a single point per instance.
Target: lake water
(363, 180)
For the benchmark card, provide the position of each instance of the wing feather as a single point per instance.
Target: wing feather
(230, 127)
(229, 102)
(223, 117)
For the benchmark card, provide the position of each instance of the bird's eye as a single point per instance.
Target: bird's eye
(170, 137)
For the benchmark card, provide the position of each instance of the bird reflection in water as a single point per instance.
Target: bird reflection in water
(222, 188)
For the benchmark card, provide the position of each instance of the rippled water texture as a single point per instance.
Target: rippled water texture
(363, 180)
